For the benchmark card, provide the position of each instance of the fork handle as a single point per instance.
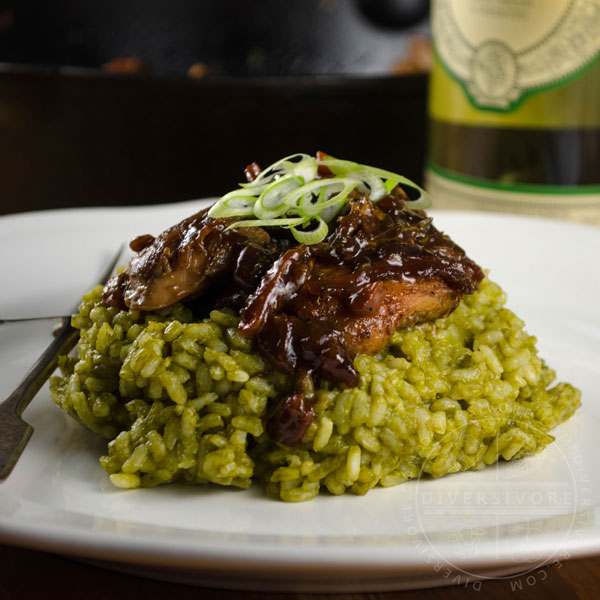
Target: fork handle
(17, 432)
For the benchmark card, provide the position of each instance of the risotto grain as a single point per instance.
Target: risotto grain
(182, 399)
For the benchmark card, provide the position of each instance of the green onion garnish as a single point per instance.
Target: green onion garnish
(288, 194)
(313, 235)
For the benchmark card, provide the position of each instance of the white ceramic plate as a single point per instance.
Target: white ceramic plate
(510, 517)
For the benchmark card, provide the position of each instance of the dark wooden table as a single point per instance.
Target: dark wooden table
(31, 574)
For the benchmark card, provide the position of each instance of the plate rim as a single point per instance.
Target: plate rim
(30, 535)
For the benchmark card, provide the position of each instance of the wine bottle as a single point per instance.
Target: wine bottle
(514, 107)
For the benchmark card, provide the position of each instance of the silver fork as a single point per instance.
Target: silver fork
(14, 431)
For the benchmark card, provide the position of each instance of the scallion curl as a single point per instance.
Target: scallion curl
(288, 194)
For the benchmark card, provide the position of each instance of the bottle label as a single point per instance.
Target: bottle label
(502, 51)
(460, 192)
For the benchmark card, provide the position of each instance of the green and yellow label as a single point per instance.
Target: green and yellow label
(451, 190)
(495, 57)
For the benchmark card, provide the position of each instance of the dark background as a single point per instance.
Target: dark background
(97, 106)
(231, 37)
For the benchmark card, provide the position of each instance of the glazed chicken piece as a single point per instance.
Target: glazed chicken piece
(186, 259)
(395, 270)
(383, 268)
(368, 319)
